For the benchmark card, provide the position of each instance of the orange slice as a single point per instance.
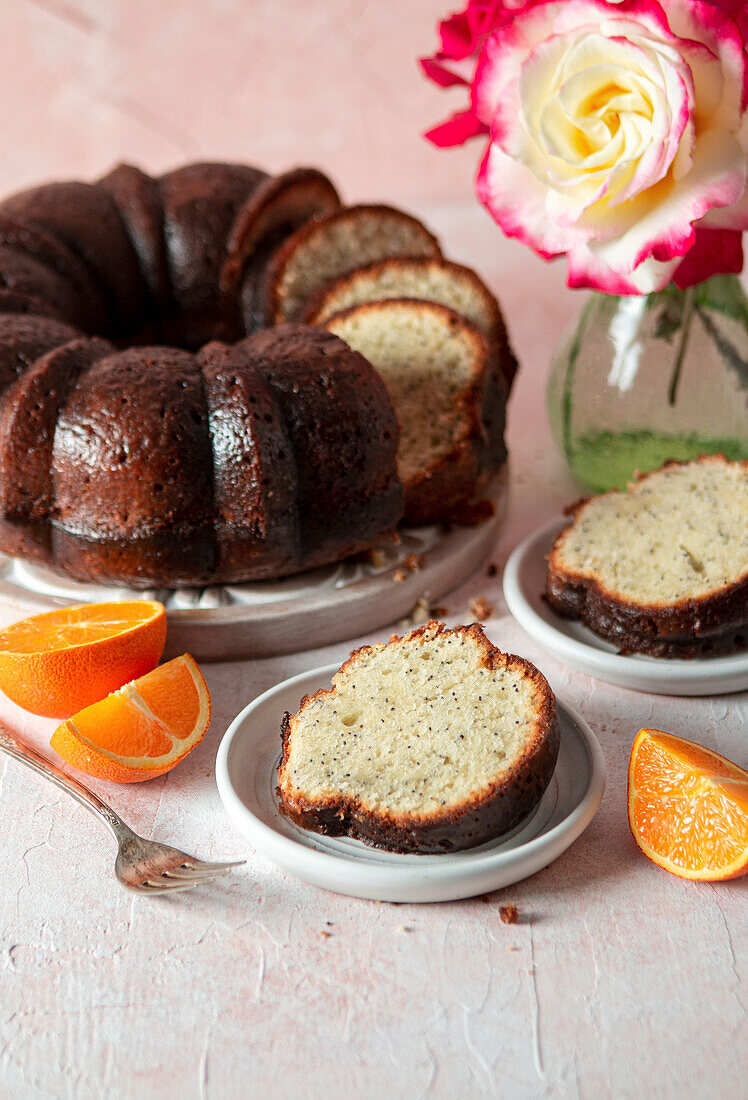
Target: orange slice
(688, 807)
(58, 662)
(141, 730)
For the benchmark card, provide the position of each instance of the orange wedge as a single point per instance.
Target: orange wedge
(141, 730)
(58, 662)
(688, 807)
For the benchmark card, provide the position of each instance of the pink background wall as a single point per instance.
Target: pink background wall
(84, 83)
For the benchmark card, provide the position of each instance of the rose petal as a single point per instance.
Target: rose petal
(715, 252)
(456, 130)
(516, 200)
(586, 269)
(438, 72)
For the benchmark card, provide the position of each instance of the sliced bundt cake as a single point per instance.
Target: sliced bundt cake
(334, 245)
(429, 279)
(434, 742)
(167, 458)
(662, 568)
(449, 398)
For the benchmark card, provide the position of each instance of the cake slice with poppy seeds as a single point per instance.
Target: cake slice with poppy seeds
(433, 742)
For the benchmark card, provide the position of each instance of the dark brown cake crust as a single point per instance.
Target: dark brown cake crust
(200, 203)
(478, 820)
(343, 433)
(85, 218)
(139, 200)
(708, 626)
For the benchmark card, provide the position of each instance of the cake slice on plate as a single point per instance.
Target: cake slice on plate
(434, 742)
(662, 568)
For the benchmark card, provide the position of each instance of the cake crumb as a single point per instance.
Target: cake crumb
(377, 557)
(511, 947)
(439, 610)
(480, 608)
(492, 570)
(325, 935)
(509, 913)
(413, 563)
(398, 576)
(420, 614)
(405, 928)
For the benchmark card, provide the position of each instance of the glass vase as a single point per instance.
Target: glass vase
(644, 379)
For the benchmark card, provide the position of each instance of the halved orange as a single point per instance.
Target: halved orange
(688, 807)
(56, 663)
(141, 730)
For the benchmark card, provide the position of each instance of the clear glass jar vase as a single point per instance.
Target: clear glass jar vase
(644, 379)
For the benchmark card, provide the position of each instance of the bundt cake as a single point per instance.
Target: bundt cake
(434, 742)
(449, 397)
(662, 568)
(151, 434)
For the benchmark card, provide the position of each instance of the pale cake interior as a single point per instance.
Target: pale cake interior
(413, 728)
(345, 242)
(430, 280)
(679, 533)
(427, 358)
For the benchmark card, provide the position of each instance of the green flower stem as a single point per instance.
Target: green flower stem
(689, 303)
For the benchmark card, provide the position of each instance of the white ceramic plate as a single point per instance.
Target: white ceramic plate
(578, 647)
(264, 618)
(246, 775)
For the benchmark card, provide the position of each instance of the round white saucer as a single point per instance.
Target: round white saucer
(246, 775)
(578, 647)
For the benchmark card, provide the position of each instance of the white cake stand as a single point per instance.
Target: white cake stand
(267, 618)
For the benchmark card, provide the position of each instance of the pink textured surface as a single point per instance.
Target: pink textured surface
(618, 979)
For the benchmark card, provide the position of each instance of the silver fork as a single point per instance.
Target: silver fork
(142, 865)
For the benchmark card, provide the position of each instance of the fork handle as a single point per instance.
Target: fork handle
(34, 760)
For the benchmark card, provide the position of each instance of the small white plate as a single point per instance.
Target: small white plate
(246, 773)
(578, 647)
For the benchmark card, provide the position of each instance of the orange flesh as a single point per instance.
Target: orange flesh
(688, 806)
(67, 628)
(141, 730)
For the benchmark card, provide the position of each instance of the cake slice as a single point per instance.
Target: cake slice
(278, 207)
(334, 245)
(434, 742)
(429, 279)
(661, 568)
(449, 399)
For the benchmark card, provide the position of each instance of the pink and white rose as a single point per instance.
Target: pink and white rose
(617, 131)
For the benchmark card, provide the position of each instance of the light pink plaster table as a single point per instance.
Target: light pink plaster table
(619, 980)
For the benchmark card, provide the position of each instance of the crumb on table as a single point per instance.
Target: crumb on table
(420, 614)
(509, 913)
(480, 608)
